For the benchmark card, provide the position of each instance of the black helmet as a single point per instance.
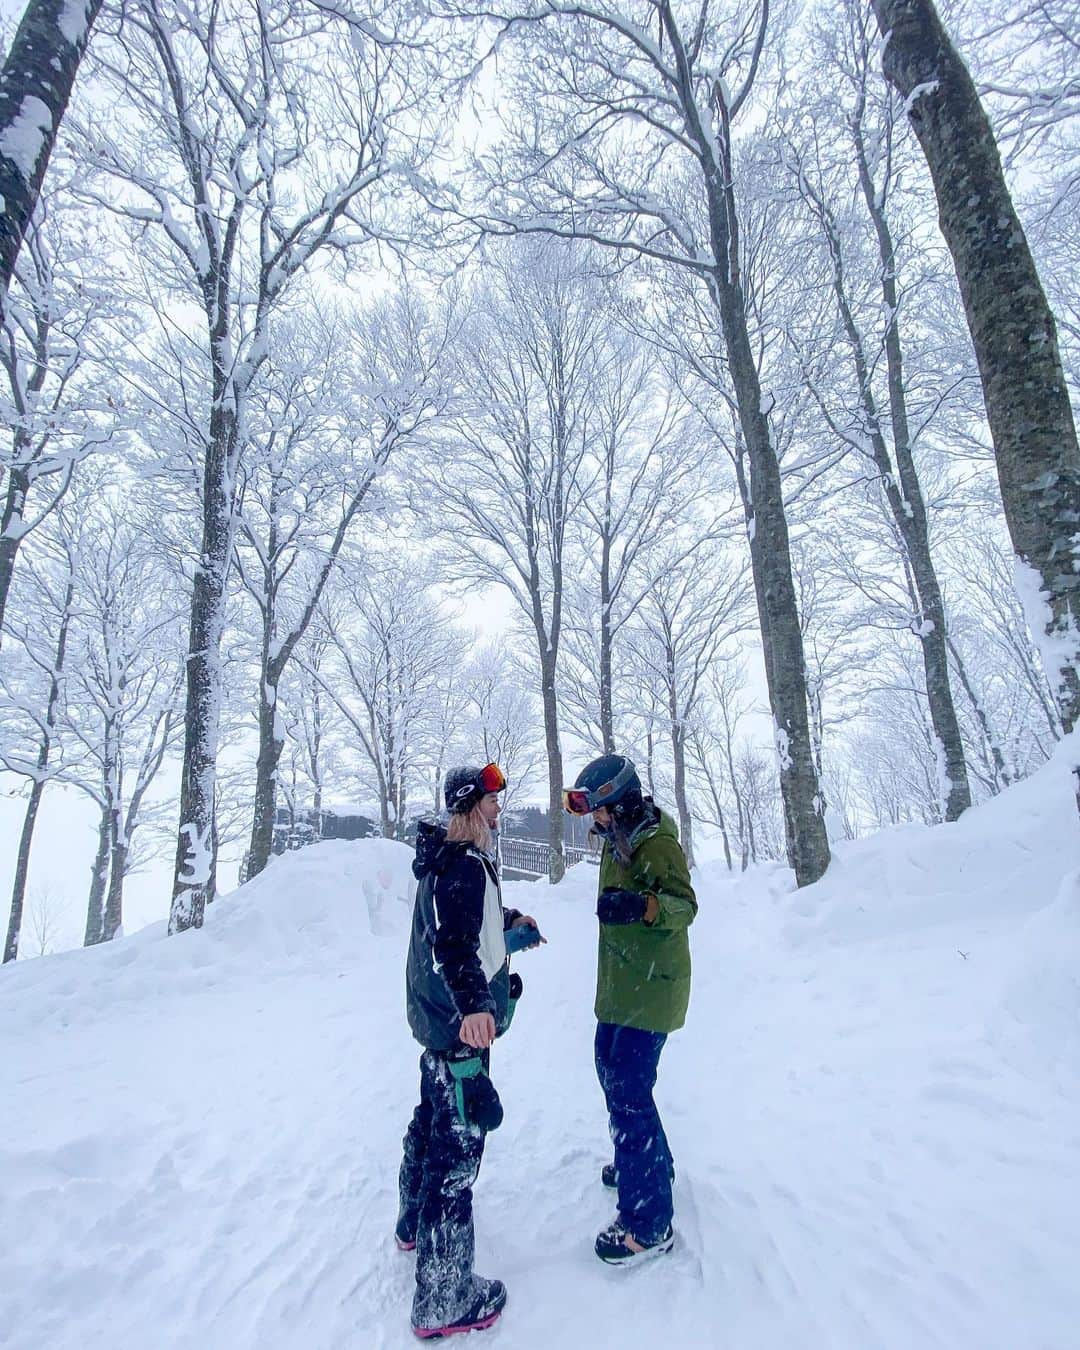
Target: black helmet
(607, 781)
(465, 785)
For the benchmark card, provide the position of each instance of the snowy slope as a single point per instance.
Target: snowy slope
(875, 1112)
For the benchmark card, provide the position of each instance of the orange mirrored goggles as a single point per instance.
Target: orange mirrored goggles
(576, 801)
(491, 778)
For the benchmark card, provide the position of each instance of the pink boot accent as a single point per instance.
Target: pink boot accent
(430, 1333)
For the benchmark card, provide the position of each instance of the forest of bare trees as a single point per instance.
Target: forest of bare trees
(386, 387)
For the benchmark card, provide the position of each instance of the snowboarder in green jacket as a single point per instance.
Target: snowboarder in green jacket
(645, 907)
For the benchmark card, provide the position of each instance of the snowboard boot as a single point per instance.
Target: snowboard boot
(488, 1299)
(613, 1246)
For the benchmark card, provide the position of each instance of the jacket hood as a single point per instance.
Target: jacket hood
(431, 848)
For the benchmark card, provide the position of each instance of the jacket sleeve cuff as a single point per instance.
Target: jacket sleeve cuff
(509, 916)
(468, 1006)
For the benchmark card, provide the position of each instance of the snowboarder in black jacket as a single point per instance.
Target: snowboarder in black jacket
(459, 997)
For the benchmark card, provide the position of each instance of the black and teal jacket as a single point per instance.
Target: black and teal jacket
(457, 952)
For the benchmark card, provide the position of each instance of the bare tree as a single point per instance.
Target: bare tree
(264, 137)
(45, 912)
(393, 649)
(510, 485)
(644, 474)
(696, 606)
(499, 716)
(35, 85)
(710, 758)
(1015, 337)
(326, 424)
(886, 437)
(1016, 720)
(32, 708)
(52, 406)
(123, 706)
(624, 135)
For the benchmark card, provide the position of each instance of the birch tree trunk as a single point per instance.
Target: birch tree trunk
(1012, 328)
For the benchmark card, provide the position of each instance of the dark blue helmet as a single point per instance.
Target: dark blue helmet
(607, 781)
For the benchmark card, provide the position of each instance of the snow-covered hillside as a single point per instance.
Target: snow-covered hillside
(874, 1107)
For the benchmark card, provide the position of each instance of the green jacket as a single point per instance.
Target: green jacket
(643, 972)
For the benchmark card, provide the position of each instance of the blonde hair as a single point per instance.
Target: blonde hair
(470, 827)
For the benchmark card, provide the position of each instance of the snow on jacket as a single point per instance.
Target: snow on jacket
(643, 970)
(457, 951)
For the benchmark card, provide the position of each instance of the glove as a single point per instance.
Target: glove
(511, 1003)
(477, 1101)
(616, 906)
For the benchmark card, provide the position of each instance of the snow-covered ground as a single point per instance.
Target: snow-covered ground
(874, 1107)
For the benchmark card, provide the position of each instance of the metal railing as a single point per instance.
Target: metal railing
(533, 855)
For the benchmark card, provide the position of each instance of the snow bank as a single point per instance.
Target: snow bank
(873, 1111)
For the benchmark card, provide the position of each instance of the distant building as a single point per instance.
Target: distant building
(309, 827)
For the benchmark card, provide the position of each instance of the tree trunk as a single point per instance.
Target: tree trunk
(909, 512)
(721, 820)
(556, 830)
(678, 755)
(1002, 775)
(401, 807)
(266, 769)
(195, 869)
(22, 859)
(113, 921)
(11, 529)
(1012, 328)
(316, 762)
(607, 717)
(22, 867)
(770, 554)
(35, 86)
(903, 491)
(99, 879)
(781, 634)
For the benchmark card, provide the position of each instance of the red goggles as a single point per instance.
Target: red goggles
(491, 779)
(576, 801)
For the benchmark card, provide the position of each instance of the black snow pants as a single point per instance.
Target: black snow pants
(441, 1159)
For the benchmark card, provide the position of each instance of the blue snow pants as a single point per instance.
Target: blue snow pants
(438, 1168)
(626, 1063)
